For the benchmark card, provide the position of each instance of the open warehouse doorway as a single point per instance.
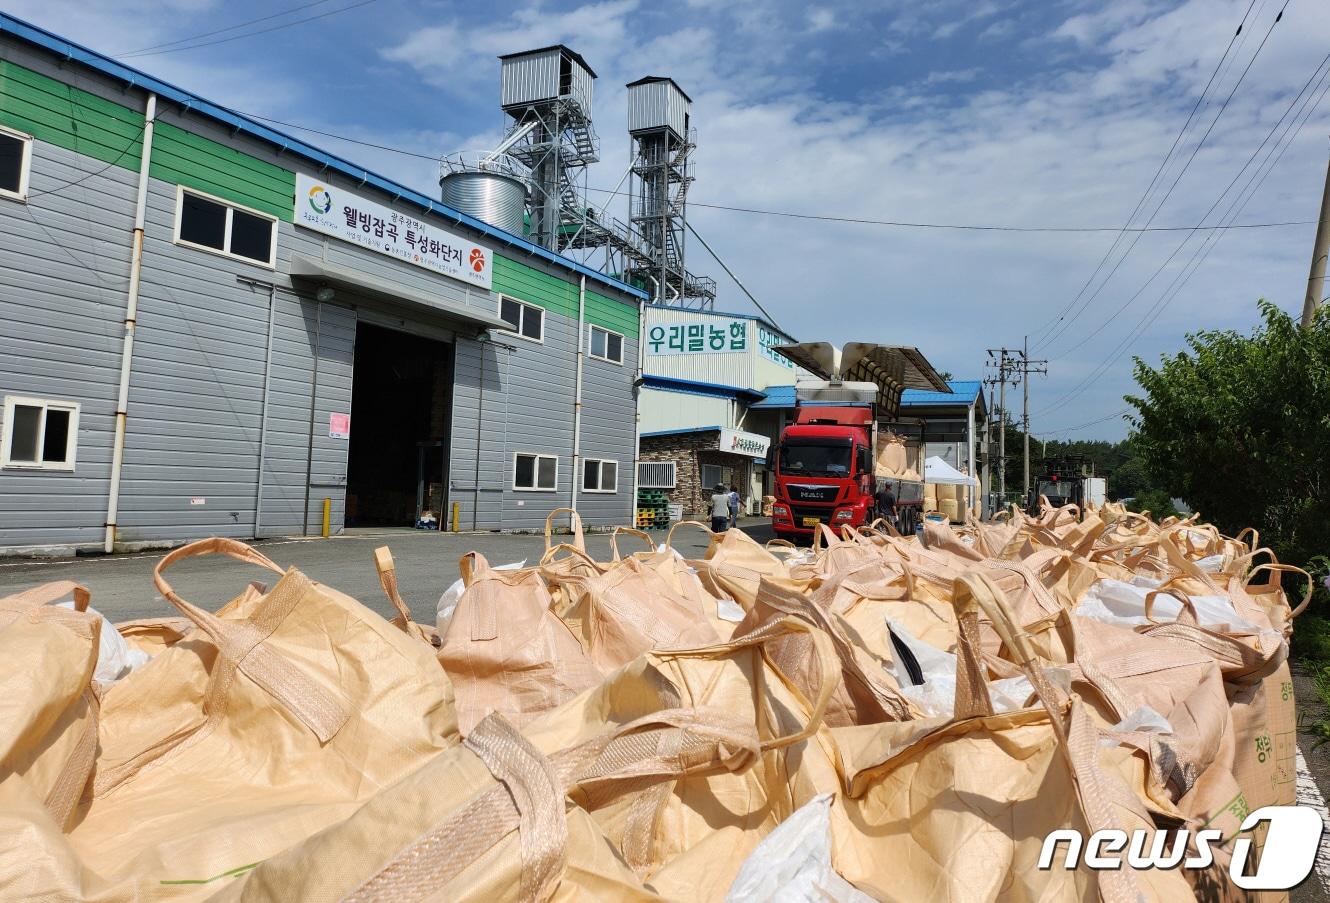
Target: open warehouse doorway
(401, 402)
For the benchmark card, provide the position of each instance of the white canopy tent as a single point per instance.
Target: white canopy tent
(938, 471)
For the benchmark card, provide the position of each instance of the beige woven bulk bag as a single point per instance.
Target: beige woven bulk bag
(734, 564)
(665, 776)
(48, 711)
(505, 649)
(958, 809)
(625, 609)
(274, 719)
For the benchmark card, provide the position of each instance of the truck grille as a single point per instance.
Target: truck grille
(804, 492)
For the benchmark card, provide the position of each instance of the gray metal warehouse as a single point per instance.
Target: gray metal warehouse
(208, 327)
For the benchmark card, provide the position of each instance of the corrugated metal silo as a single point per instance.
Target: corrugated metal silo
(494, 197)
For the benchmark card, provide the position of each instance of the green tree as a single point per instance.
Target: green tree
(1238, 427)
(1156, 501)
(1129, 479)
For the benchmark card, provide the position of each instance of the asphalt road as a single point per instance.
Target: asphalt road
(122, 585)
(122, 589)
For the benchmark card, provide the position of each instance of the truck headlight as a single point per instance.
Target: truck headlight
(780, 511)
(844, 514)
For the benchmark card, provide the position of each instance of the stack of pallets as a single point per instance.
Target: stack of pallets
(653, 511)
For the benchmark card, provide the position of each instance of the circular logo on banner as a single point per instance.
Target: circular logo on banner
(477, 260)
(320, 201)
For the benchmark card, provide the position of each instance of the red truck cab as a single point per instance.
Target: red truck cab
(823, 469)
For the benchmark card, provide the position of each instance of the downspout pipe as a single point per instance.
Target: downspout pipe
(637, 405)
(131, 322)
(577, 390)
(970, 469)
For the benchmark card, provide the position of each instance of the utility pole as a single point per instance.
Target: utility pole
(1027, 367)
(1316, 280)
(1006, 362)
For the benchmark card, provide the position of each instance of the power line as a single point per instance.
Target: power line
(1072, 429)
(1234, 210)
(250, 34)
(904, 224)
(1058, 333)
(1163, 164)
(208, 34)
(970, 227)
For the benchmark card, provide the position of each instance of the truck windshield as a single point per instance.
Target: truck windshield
(815, 459)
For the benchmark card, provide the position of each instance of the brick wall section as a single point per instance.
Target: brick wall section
(689, 451)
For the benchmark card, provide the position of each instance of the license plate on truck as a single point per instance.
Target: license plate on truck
(812, 521)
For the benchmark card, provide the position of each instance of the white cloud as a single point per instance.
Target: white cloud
(821, 18)
(952, 76)
(456, 55)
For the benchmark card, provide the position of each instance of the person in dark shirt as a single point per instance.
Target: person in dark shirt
(886, 503)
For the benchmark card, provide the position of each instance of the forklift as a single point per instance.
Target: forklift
(1065, 480)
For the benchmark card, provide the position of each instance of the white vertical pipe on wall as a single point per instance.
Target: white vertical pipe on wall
(969, 452)
(637, 405)
(577, 390)
(263, 414)
(131, 316)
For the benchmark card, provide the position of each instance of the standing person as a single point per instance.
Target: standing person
(734, 506)
(886, 505)
(720, 509)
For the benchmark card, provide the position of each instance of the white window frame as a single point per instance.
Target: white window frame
(591, 328)
(526, 306)
(231, 206)
(24, 166)
(7, 432)
(600, 476)
(674, 474)
(535, 472)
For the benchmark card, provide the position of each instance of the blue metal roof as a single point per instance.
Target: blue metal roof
(682, 430)
(192, 102)
(963, 393)
(693, 387)
(777, 397)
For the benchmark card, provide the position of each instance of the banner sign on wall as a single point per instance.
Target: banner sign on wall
(737, 442)
(346, 215)
(708, 335)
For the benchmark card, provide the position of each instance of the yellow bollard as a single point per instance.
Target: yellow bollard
(327, 517)
(457, 514)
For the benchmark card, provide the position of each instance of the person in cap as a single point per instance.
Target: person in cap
(720, 509)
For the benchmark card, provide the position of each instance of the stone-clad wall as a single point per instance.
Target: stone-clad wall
(689, 451)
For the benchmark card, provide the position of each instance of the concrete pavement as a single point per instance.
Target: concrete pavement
(122, 586)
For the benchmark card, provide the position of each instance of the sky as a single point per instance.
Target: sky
(982, 112)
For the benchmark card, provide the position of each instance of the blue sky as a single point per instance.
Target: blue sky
(979, 112)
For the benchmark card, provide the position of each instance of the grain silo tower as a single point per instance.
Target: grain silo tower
(548, 143)
(663, 141)
(546, 94)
